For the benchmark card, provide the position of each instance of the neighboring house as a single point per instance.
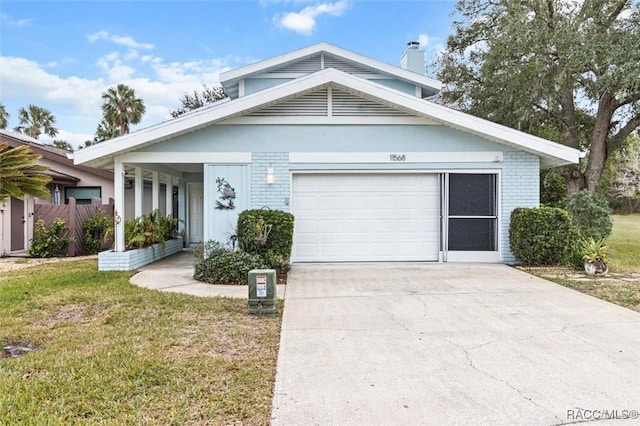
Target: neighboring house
(353, 147)
(67, 180)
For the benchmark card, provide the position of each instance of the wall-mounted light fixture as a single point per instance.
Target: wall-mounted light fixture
(271, 179)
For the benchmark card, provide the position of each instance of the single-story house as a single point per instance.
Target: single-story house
(355, 148)
(67, 180)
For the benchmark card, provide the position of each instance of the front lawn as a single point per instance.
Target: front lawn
(107, 352)
(622, 284)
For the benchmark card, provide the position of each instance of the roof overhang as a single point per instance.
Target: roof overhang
(551, 153)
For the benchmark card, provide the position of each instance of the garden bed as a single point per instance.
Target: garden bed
(131, 260)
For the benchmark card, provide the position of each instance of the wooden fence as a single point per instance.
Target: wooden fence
(74, 215)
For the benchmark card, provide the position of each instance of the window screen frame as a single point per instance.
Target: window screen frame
(81, 200)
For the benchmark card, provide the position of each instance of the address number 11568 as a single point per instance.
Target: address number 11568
(397, 157)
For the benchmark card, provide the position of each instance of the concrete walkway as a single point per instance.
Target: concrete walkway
(175, 274)
(450, 344)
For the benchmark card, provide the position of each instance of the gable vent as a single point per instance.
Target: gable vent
(305, 66)
(346, 104)
(333, 62)
(311, 104)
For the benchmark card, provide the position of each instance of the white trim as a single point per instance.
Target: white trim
(168, 194)
(340, 120)
(118, 200)
(385, 157)
(241, 88)
(329, 102)
(321, 48)
(185, 157)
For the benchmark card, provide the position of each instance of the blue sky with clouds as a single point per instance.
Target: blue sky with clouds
(63, 54)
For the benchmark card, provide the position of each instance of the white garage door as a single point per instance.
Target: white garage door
(365, 217)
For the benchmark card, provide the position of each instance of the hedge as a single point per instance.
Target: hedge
(542, 236)
(280, 239)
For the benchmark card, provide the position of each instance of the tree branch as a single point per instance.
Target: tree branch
(618, 139)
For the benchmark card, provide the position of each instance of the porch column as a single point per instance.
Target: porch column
(169, 195)
(118, 196)
(138, 192)
(155, 191)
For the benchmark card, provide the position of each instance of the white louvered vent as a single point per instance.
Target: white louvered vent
(346, 104)
(349, 68)
(311, 104)
(305, 66)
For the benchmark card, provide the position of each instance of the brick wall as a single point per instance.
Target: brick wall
(520, 188)
(276, 195)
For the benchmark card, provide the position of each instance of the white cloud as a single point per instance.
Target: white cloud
(423, 39)
(10, 22)
(304, 22)
(119, 40)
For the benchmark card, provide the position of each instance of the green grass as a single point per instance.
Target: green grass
(624, 243)
(622, 285)
(112, 353)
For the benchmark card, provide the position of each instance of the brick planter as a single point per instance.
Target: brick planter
(133, 259)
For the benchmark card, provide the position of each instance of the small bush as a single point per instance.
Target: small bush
(542, 236)
(50, 242)
(590, 214)
(218, 264)
(97, 230)
(277, 248)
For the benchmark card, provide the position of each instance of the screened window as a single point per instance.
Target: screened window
(473, 219)
(83, 195)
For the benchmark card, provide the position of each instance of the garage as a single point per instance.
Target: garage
(345, 217)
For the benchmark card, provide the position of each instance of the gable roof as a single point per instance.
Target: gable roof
(231, 77)
(51, 153)
(551, 153)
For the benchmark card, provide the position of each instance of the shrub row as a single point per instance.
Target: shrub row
(218, 264)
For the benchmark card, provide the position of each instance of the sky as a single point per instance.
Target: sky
(63, 54)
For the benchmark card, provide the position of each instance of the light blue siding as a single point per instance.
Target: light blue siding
(337, 138)
(520, 188)
(275, 195)
(401, 86)
(253, 85)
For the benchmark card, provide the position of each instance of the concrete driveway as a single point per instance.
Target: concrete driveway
(450, 344)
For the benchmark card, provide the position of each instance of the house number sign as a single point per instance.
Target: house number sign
(397, 157)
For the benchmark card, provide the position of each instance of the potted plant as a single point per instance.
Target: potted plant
(262, 232)
(594, 254)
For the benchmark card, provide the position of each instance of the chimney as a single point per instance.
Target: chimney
(413, 59)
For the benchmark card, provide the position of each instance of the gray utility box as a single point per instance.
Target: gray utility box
(262, 292)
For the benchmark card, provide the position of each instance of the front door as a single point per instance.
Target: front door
(17, 224)
(195, 224)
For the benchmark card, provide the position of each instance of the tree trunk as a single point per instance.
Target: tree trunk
(598, 147)
(574, 179)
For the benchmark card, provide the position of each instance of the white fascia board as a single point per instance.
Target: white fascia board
(257, 67)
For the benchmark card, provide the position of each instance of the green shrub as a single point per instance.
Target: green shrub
(50, 242)
(218, 264)
(277, 225)
(553, 188)
(542, 236)
(590, 214)
(149, 229)
(97, 230)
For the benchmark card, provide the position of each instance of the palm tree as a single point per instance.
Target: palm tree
(4, 117)
(120, 107)
(21, 174)
(106, 131)
(35, 120)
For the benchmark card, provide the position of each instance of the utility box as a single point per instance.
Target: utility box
(262, 292)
